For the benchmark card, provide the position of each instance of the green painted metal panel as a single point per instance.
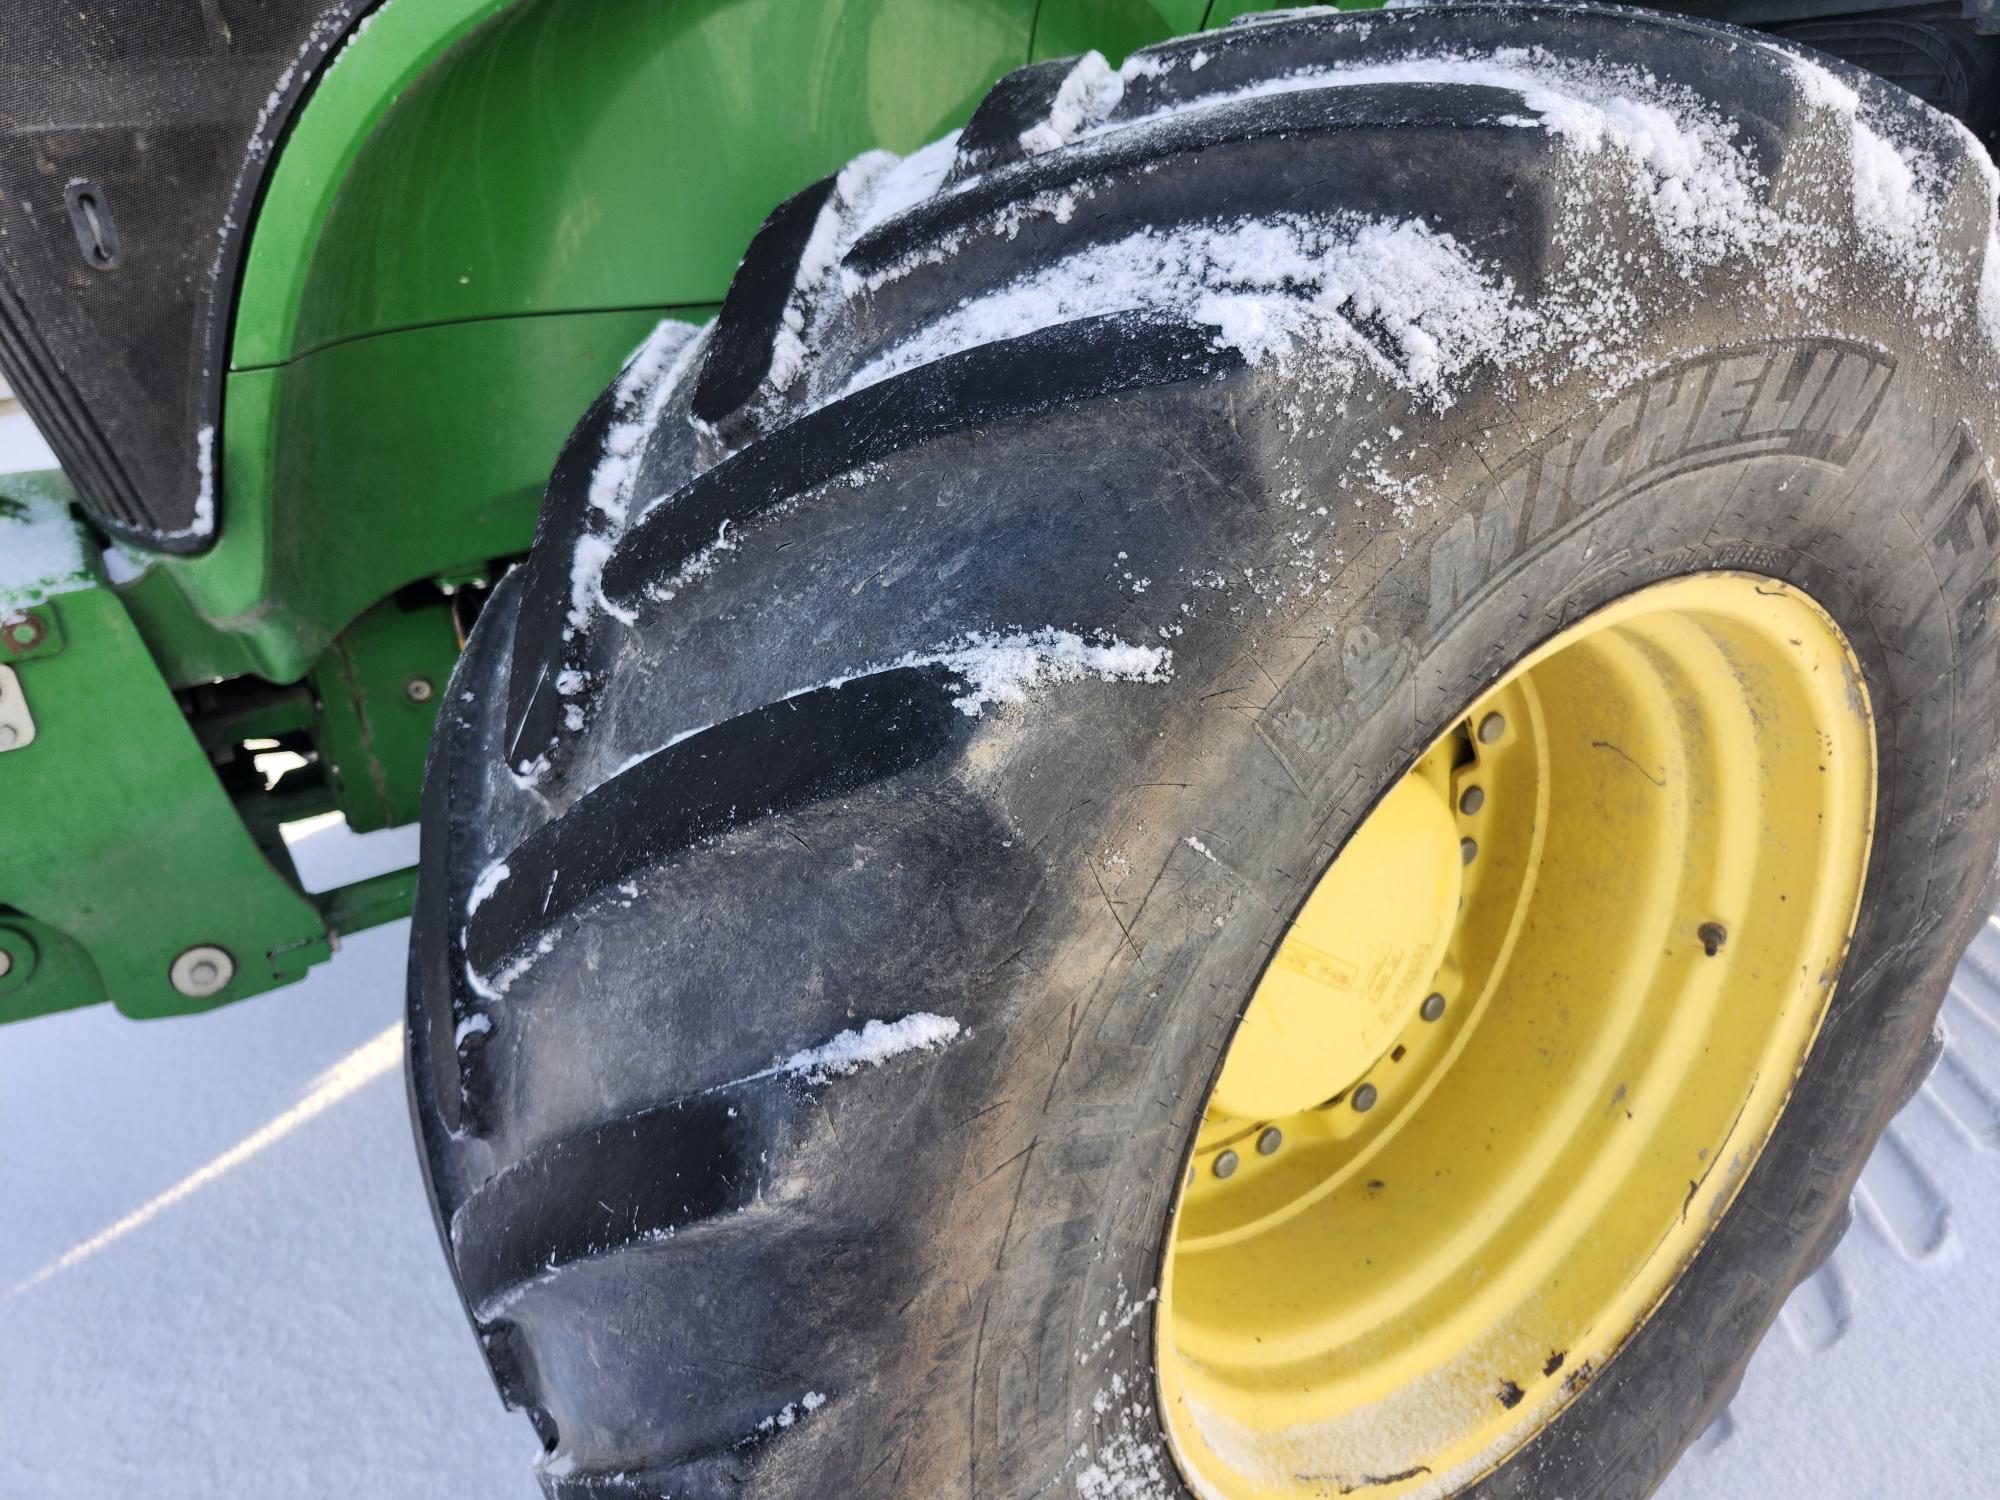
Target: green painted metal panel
(377, 692)
(385, 460)
(122, 848)
(371, 902)
(587, 154)
(377, 68)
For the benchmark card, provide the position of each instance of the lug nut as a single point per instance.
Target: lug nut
(1364, 1098)
(419, 689)
(1471, 800)
(1468, 850)
(1433, 1007)
(1491, 728)
(1713, 935)
(1269, 1142)
(1225, 1164)
(6, 963)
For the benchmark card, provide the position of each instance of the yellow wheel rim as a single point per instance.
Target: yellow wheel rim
(1519, 1049)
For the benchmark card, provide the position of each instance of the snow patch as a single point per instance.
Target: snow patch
(869, 1046)
(123, 564)
(897, 185)
(1989, 292)
(1419, 307)
(649, 378)
(1089, 93)
(204, 467)
(830, 233)
(1898, 206)
(1262, 285)
(785, 1416)
(1002, 668)
(1899, 195)
(996, 668)
(586, 578)
(41, 550)
(487, 883)
(203, 523)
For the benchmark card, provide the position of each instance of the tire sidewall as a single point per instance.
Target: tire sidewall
(1826, 463)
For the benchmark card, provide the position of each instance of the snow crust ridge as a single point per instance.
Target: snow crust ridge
(1262, 285)
(868, 1046)
(1090, 92)
(644, 387)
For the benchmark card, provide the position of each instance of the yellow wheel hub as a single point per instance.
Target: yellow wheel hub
(1352, 971)
(1519, 1049)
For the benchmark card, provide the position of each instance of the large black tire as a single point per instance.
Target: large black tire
(820, 707)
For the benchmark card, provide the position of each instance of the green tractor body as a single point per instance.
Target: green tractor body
(452, 222)
(475, 211)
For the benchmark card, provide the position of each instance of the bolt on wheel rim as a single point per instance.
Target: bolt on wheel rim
(1519, 1049)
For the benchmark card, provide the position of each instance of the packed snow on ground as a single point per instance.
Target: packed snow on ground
(22, 448)
(1882, 1377)
(276, 1319)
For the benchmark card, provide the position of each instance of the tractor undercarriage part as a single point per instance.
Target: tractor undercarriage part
(145, 859)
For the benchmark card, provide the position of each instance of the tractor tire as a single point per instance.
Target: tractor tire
(852, 838)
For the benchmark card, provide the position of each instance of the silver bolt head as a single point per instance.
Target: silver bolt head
(419, 689)
(6, 963)
(1364, 1098)
(202, 971)
(1468, 850)
(1471, 800)
(1225, 1164)
(1433, 1007)
(1491, 728)
(1270, 1140)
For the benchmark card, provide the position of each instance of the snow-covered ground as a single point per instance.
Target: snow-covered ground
(218, 1275)
(1882, 1378)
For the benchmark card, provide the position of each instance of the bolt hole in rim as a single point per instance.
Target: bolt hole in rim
(1634, 927)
